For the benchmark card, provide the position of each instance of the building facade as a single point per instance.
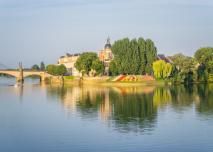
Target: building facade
(69, 61)
(106, 56)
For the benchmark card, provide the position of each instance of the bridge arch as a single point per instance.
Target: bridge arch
(40, 74)
(31, 75)
(32, 79)
(9, 73)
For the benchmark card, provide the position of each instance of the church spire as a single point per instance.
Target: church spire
(108, 44)
(108, 40)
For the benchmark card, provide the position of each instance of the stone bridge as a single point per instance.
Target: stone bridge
(21, 74)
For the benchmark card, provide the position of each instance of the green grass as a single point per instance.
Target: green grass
(69, 77)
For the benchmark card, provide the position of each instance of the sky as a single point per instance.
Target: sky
(32, 31)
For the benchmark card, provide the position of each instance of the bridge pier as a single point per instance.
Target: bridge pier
(20, 80)
(43, 77)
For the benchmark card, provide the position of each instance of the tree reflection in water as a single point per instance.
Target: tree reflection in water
(205, 99)
(132, 108)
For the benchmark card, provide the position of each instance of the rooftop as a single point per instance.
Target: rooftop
(70, 55)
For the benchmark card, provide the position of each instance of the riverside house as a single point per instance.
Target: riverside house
(69, 61)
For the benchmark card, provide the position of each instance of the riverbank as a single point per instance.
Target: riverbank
(105, 81)
(108, 81)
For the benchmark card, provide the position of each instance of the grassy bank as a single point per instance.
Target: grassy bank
(107, 81)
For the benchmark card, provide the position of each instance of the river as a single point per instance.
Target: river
(48, 118)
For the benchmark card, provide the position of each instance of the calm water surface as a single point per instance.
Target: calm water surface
(44, 118)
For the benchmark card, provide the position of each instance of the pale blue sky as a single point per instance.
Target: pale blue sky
(42, 30)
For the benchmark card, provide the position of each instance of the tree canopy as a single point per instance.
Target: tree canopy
(88, 61)
(133, 56)
(35, 67)
(98, 66)
(57, 70)
(205, 56)
(186, 68)
(162, 69)
(113, 68)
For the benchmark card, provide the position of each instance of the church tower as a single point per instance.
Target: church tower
(106, 56)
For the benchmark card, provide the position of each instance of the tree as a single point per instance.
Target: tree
(61, 70)
(35, 67)
(151, 54)
(142, 55)
(134, 56)
(186, 66)
(113, 68)
(84, 62)
(205, 58)
(42, 66)
(122, 55)
(162, 69)
(168, 70)
(50, 69)
(204, 55)
(135, 62)
(57, 70)
(98, 66)
(202, 74)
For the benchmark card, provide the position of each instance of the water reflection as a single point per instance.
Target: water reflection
(133, 111)
(204, 99)
(126, 109)
(132, 108)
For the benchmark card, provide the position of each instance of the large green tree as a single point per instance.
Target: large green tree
(57, 70)
(204, 55)
(84, 62)
(186, 68)
(50, 69)
(142, 55)
(121, 53)
(205, 58)
(61, 70)
(113, 68)
(135, 57)
(98, 66)
(151, 54)
(162, 69)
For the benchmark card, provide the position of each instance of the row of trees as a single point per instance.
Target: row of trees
(187, 69)
(139, 56)
(56, 70)
(36, 67)
(133, 56)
